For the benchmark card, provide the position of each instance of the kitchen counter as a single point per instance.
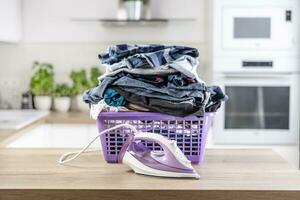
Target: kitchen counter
(9, 135)
(225, 174)
(69, 118)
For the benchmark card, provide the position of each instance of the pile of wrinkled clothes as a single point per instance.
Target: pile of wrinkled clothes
(154, 78)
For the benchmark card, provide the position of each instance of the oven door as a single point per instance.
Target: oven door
(260, 110)
(257, 28)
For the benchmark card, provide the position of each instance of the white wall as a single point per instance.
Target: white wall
(51, 21)
(50, 36)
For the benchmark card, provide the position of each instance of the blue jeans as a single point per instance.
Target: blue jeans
(167, 91)
(166, 97)
(181, 58)
(140, 55)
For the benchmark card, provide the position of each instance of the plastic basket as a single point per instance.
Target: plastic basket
(189, 132)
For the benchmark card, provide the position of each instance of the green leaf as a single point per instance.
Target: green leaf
(42, 81)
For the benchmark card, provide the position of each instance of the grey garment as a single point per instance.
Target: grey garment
(149, 72)
(136, 107)
(140, 55)
(181, 109)
(186, 65)
(216, 98)
(170, 92)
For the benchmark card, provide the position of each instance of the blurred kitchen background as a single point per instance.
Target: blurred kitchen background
(250, 48)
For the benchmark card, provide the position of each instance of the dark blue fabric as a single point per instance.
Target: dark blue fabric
(140, 56)
(112, 98)
(158, 95)
(216, 98)
(162, 90)
(116, 53)
(181, 93)
(179, 108)
(178, 80)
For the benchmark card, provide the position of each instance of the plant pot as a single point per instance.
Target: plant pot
(62, 104)
(42, 102)
(81, 105)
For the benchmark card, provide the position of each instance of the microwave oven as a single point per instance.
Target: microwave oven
(255, 36)
(258, 28)
(262, 109)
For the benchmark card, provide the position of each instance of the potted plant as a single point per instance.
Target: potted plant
(81, 83)
(62, 100)
(42, 84)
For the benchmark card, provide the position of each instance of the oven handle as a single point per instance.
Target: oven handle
(256, 75)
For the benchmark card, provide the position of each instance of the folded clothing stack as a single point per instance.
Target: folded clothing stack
(155, 78)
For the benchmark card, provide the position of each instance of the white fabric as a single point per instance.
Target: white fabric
(96, 109)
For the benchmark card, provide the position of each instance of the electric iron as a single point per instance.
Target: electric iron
(171, 162)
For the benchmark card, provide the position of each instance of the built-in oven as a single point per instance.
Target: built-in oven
(262, 109)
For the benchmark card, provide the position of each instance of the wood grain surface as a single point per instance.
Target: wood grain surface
(225, 174)
(70, 118)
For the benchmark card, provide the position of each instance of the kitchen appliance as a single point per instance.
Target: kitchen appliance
(170, 162)
(27, 100)
(259, 28)
(256, 36)
(256, 61)
(262, 109)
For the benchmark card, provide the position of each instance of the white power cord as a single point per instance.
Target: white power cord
(63, 159)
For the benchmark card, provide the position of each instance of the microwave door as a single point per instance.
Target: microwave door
(252, 27)
(257, 28)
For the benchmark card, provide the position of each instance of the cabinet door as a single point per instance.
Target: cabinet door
(56, 136)
(92, 133)
(69, 135)
(38, 137)
(10, 20)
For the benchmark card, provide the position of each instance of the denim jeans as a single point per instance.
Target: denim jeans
(180, 108)
(138, 54)
(129, 83)
(217, 96)
(181, 58)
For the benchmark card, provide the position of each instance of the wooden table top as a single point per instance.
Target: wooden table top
(225, 174)
(70, 118)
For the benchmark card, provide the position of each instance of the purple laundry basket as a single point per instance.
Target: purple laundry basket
(189, 132)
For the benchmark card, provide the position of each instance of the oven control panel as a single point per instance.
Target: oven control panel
(257, 63)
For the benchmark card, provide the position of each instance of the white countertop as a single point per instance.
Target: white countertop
(17, 119)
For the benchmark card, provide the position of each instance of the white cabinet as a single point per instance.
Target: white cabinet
(58, 136)
(10, 20)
